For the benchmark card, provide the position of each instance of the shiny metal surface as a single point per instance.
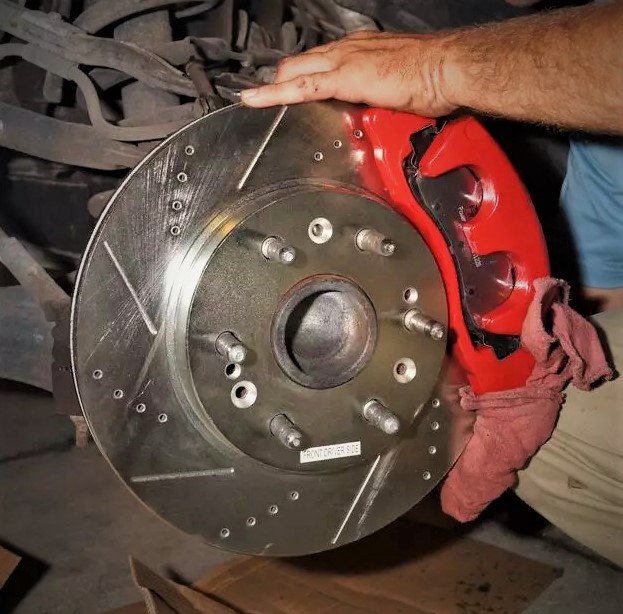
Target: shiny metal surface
(193, 436)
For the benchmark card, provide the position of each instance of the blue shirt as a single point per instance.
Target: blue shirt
(592, 198)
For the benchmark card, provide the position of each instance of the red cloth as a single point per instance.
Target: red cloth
(510, 426)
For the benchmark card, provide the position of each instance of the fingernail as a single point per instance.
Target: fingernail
(246, 94)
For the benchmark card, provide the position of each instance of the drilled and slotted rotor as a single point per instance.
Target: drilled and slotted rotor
(258, 343)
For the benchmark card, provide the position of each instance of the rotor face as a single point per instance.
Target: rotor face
(251, 337)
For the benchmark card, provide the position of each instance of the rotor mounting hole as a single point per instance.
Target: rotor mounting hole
(233, 371)
(140, 408)
(118, 394)
(244, 394)
(320, 230)
(410, 296)
(225, 533)
(405, 370)
(98, 374)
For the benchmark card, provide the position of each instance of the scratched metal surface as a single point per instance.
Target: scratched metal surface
(135, 288)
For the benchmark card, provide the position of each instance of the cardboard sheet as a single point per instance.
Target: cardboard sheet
(412, 568)
(8, 563)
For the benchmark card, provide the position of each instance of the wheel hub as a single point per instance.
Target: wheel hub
(324, 331)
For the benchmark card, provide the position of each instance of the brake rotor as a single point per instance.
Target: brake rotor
(259, 340)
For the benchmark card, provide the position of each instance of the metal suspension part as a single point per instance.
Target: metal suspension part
(221, 384)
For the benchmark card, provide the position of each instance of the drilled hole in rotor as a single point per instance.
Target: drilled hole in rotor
(98, 374)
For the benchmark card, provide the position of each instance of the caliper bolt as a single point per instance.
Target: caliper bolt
(369, 240)
(278, 250)
(416, 322)
(380, 417)
(228, 345)
(286, 432)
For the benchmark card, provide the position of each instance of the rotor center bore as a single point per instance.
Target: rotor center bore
(324, 332)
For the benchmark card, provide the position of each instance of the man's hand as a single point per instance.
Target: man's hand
(561, 67)
(402, 72)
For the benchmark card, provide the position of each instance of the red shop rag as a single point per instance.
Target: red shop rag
(511, 426)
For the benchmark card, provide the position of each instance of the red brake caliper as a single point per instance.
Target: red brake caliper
(457, 187)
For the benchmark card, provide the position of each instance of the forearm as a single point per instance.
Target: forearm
(564, 68)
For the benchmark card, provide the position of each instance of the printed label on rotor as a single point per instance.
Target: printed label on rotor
(338, 450)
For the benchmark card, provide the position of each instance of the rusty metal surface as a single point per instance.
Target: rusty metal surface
(25, 339)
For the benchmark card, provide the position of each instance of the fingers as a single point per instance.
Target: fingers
(314, 75)
(305, 64)
(304, 88)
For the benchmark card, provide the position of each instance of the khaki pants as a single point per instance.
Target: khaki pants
(576, 479)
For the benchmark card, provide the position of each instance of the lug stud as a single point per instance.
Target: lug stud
(416, 322)
(286, 432)
(369, 240)
(380, 417)
(277, 250)
(229, 346)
